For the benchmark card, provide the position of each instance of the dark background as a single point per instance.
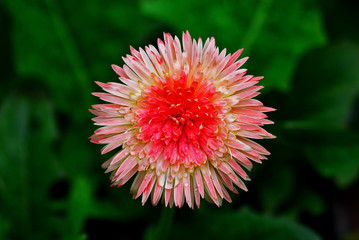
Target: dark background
(51, 182)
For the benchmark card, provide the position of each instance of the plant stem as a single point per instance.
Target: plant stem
(165, 222)
(162, 229)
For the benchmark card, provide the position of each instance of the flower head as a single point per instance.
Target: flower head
(184, 116)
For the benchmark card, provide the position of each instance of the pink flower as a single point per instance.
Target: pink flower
(184, 116)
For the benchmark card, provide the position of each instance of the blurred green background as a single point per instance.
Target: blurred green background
(51, 182)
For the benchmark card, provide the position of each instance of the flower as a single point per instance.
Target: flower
(184, 117)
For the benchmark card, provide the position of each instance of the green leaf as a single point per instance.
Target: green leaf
(245, 221)
(59, 67)
(68, 51)
(258, 26)
(243, 224)
(337, 162)
(27, 164)
(332, 151)
(327, 85)
(324, 97)
(79, 205)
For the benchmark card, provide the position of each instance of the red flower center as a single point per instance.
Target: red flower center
(180, 121)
